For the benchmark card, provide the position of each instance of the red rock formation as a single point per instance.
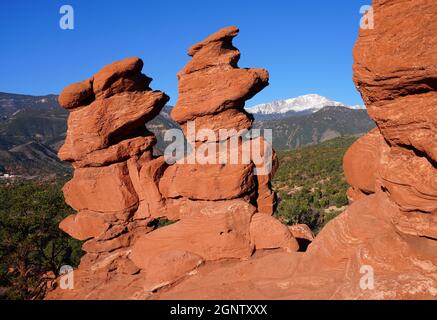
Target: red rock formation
(361, 163)
(384, 246)
(388, 234)
(216, 202)
(217, 104)
(223, 208)
(108, 143)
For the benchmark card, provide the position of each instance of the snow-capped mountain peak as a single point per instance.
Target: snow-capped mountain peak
(309, 103)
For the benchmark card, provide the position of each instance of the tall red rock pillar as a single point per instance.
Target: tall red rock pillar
(223, 208)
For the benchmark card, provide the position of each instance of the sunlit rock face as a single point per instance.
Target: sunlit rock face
(392, 223)
(220, 210)
(225, 243)
(217, 202)
(384, 246)
(108, 145)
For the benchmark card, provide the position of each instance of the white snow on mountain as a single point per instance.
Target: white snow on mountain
(308, 103)
(357, 107)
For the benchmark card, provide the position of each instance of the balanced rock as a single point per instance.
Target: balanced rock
(217, 104)
(77, 95)
(215, 191)
(383, 246)
(109, 145)
(268, 233)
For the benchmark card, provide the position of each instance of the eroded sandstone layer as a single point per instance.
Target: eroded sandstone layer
(384, 246)
(225, 243)
(221, 209)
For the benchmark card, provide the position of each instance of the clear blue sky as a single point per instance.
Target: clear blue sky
(305, 45)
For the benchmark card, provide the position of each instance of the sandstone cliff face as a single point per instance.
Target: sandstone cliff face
(384, 246)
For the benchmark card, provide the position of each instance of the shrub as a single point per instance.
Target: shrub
(31, 244)
(317, 171)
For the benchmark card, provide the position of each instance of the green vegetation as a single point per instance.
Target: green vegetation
(311, 184)
(309, 181)
(32, 246)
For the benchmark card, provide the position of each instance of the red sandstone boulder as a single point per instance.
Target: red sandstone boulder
(267, 200)
(219, 233)
(98, 246)
(85, 225)
(302, 231)
(106, 189)
(215, 51)
(77, 95)
(410, 181)
(106, 122)
(409, 121)
(120, 76)
(265, 168)
(395, 68)
(167, 267)
(202, 97)
(122, 151)
(236, 122)
(267, 232)
(361, 162)
(201, 94)
(207, 182)
(145, 179)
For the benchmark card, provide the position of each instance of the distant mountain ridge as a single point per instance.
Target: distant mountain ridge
(11, 103)
(32, 129)
(328, 123)
(298, 106)
(33, 159)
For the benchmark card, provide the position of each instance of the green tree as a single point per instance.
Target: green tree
(31, 244)
(317, 172)
(341, 200)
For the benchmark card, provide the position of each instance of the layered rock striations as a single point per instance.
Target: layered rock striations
(217, 200)
(392, 223)
(212, 89)
(224, 242)
(108, 144)
(221, 209)
(384, 246)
